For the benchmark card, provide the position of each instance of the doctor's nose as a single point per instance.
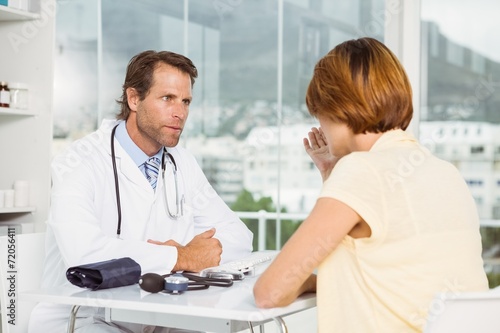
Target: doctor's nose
(180, 111)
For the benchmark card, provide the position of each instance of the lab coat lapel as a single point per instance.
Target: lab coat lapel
(129, 169)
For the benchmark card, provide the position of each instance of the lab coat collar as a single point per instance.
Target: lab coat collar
(124, 164)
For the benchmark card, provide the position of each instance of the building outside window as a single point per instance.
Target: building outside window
(460, 100)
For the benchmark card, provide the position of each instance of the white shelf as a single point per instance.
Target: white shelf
(12, 14)
(27, 209)
(16, 112)
(26, 134)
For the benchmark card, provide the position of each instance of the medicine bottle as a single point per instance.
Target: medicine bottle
(4, 95)
(18, 95)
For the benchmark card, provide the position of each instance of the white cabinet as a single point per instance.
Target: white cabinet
(26, 55)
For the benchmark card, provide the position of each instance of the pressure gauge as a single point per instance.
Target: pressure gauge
(176, 283)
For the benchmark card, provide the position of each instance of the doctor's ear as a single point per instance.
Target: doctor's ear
(133, 98)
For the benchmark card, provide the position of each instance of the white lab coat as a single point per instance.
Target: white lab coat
(83, 219)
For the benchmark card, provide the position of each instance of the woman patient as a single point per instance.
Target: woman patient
(393, 224)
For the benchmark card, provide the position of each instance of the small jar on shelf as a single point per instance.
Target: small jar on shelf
(19, 95)
(19, 4)
(4, 94)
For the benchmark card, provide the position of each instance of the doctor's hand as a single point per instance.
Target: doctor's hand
(317, 148)
(201, 252)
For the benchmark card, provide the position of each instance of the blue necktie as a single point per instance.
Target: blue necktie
(151, 168)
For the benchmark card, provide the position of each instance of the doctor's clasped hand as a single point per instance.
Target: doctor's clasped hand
(203, 251)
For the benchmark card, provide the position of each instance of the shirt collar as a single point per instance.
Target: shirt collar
(137, 155)
(390, 137)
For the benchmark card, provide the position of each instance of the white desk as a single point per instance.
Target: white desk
(215, 309)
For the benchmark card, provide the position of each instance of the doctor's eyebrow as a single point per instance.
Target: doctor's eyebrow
(169, 96)
(173, 96)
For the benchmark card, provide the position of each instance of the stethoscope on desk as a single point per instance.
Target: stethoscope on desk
(179, 201)
(179, 282)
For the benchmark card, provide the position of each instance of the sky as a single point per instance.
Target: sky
(471, 23)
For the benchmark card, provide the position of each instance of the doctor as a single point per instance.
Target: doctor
(107, 203)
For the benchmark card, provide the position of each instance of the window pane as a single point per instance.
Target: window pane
(460, 100)
(75, 71)
(248, 116)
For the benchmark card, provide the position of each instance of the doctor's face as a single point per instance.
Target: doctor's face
(159, 119)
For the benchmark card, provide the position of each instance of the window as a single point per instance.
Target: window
(474, 182)
(250, 94)
(477, 150)
(460, 66)
(454, 54)
(459, 92)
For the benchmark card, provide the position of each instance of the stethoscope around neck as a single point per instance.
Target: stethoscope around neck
(179, 202)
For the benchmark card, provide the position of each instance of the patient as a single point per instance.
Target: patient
(393, 224)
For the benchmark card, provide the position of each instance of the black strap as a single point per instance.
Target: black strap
(196, 280)
(209, 281)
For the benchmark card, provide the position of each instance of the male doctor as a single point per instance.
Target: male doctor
(172, 221)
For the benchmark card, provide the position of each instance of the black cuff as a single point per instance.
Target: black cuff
(105, 274)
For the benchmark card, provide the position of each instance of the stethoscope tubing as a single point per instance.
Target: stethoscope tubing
(178, 203)
(117, 186)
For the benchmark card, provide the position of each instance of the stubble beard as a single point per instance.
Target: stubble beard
(155, 133)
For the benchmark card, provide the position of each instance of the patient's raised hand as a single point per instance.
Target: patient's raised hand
(317, 148)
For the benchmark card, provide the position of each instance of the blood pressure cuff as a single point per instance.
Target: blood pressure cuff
(105, 274)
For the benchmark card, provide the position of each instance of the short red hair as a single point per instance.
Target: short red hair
(361, 83)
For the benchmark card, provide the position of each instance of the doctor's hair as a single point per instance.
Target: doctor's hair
(140, 72)
(362, 84)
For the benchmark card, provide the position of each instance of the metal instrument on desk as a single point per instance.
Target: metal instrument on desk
(253, 265)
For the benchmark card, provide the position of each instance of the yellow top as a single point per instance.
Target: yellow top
(425, 239)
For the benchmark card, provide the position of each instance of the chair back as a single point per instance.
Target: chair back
(21, 266)
(465, 312)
